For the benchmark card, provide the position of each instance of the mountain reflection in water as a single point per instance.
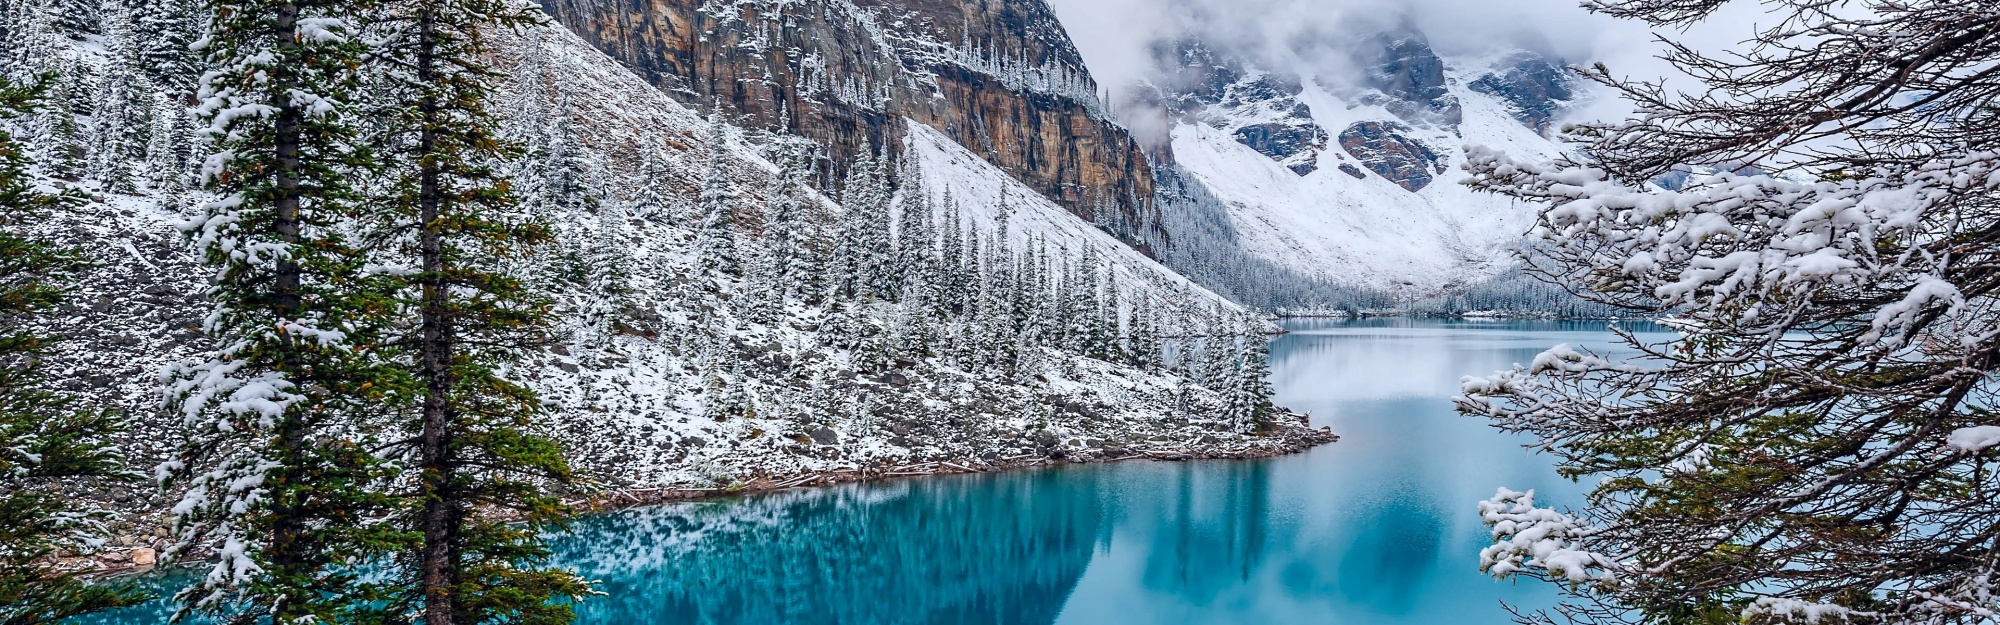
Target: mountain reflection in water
(1378, 528)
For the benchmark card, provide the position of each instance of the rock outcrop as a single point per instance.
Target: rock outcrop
(1410, 78)
(1535, 89)
(1386, 149)
(1000, 77)
(1261, 109)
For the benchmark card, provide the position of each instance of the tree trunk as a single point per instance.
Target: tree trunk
(440, 521)
(288, 523)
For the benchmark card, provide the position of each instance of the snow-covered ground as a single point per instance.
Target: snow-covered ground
(635, 405)
(980, 187)
(1369, 231)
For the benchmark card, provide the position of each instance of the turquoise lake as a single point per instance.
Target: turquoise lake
(1377, 528)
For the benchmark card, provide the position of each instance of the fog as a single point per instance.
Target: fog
(1115, 36)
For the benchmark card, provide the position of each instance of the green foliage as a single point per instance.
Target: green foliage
(45, 443)
(451, 215)
(282, 420)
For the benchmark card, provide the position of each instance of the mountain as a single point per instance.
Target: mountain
(1000, 78)
(1345, 174)
(911, 334)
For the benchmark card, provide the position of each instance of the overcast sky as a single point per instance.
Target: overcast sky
(1113, 34)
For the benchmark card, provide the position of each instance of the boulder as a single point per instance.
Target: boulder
(824, 435)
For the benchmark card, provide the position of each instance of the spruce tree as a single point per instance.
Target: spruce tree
(62, 151)
(849, 264)
(1253, 380)
(44, 440)
(608, 263)
(474, 450)
(650, 201)
(717, 243)
(1817, 440)
(1143, 337)
(276, 461)
(164, 32)
(879, 269)
(785, 228)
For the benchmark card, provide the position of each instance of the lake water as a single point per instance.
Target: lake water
(1377, 528)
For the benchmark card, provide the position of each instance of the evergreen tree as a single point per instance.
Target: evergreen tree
(608, 261)
(63, 154)
(76, 18)
(717, 243)
(1142, 341)
(165, 150)
(1818, 438)
(164, 30)
(44, 440)
(850, 263)
(884, 279)
(1253, 378)
(732, 399)
(280, 419)
(916, 250)
(785, 228)
(650, 201)
(474, 449)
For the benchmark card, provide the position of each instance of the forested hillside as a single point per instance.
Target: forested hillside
(720, 312)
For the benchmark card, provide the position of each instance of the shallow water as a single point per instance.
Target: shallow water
(1377, 528)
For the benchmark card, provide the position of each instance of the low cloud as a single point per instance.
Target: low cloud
(1116, 36)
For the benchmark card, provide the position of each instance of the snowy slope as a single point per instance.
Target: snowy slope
(634, 397)
(1368, 231)
(979, 189)
(1351, 177)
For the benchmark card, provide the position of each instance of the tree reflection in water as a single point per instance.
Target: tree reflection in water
(969, 549)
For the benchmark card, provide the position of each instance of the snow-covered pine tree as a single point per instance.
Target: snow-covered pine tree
(165, 32)
(1253, 377)
(1818, 439)
(853, 260)
(562, 164)
(650, 201)
(162, 156)
(280, 419)
(718, 243)
(45, 440)
(61, 149)
(871, 204)
(952, 280)
(473, 447)
(784, 226)
(732, 400)
(76, 18)
(761, 297)
(608, 263)
(1143, 337)
(807, 272)
(119, 120)
(916, 233)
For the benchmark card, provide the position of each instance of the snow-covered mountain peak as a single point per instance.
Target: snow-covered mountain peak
(1340, 170)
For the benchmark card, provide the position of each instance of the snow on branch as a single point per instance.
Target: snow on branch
(1539, 542)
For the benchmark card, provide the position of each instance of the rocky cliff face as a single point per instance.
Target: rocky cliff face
(1534, 88)
(1387, 149)
(1260, 109)
(1408, 78)
(998, 76)
(1330, 161)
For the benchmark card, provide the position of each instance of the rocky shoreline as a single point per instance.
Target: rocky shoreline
(1287, 439)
